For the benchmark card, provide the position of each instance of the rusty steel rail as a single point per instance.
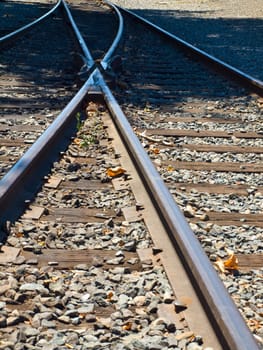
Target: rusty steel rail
(248, 80)
(19, 175)
(21, 31)
(227, 320)
(45, 149)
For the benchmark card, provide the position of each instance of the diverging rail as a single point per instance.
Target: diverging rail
(225, 68)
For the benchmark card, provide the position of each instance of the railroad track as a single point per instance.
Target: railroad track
(212, 28)
(34, 86)
(128, 285)
(50, 74)
(27, 12)
(206, 144)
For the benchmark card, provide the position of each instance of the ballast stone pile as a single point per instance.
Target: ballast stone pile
(246, 289)
(70, 298)
(86, 306)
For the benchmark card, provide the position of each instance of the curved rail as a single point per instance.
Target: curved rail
(22, 30)
(31, 158)
(18, 174)
(87, 55)
(247, 79)
(87, 58)
(105, 61)
(224, 312)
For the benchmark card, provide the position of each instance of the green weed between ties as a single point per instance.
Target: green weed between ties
(79, 121)
(85, 140)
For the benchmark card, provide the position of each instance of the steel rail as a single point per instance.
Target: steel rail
(88, 60)
(247, 79)
(221, 308)
(45, 147)
(87, 55)
(22, 30)
(106, 59)
(10, 184)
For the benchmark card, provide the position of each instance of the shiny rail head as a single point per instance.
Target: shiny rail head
(89, 63)
(87, 58)
(106, 61)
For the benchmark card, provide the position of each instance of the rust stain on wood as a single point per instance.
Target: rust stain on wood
(250, 261)
(241, 189)
(86, 185)
(231, 219)
(80, 215)
(194, 119)
(12, 143)
(216, 166)
(68, 259)
(201, 133)
(223, 149)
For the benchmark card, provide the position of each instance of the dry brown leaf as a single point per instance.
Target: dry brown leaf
(170, 168)
(77, 141)
(51, 280)
(230, 264)
(109, 296)
(155, 150)
(220, 265)
(112, 172)
(19, 234)
(254, 324)
(106, 231)
(127, 326)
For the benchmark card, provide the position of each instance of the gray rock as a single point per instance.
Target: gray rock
(71, 313)
(34, 287)
(90, 318)
(123, 300)
(4, 288)
(6, 345)
(57, 288)
(76, 320)
(89, 308)
(2, 305)
(64, 319)
(31, 332)
(48, 324)
(194, 346)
